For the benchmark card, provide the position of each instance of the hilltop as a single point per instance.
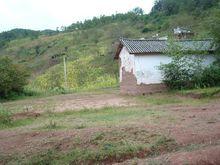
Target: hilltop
(90, 45)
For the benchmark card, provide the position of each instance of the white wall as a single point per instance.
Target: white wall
(145, 67)
(127, 62)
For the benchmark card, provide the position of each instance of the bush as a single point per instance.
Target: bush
(183, 72)
(188, 73)
(211, 75)
(13, 78)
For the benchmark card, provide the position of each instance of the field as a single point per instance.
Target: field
(103, 127)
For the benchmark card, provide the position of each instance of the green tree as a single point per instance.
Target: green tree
(13, 77)
(214, 26)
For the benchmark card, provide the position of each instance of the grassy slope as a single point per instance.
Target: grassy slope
(90, 52)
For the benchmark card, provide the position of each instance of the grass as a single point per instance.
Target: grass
(105, 135)
(107, 116)
(160, 99)
(7, 121)
(104, 150)
(203, 92)
(202, 96)
(89, 118)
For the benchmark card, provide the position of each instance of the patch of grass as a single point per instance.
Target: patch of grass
(162, 144)
(81, 126)
(5, 117)
(108, 116)
(160, 99)
(45, 158)
(202, 92)
(105, 147)
(97, 137)
(7, 121)
(52, 125)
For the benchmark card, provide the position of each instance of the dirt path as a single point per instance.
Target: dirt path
(70, 102)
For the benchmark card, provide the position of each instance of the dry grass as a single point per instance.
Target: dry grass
(134, 127)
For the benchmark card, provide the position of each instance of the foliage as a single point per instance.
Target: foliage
(182, 73)
(171, 7)
(13, 77)
(8, 36)
(81, 74)
(213, 25)
(97, 38)
(133, 16)
(211, 75)
(187, 71)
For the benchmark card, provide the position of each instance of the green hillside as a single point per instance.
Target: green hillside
(90, 45)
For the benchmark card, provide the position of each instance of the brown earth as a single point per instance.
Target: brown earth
(205, 156)
(187, 124)
(71, 102)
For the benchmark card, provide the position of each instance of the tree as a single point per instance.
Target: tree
(214, 25)
(138, 11)
(13, 77)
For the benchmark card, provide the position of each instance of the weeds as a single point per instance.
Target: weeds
(162, 144)
(5, 117)
(51, 125)
(97, 137)
(81, 126)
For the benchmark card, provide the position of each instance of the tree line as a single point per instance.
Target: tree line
(171, 7)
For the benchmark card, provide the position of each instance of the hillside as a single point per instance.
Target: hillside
(90, 45)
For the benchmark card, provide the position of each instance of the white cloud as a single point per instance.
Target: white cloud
(44, 14)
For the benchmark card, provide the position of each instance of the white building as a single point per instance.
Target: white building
(139, 61)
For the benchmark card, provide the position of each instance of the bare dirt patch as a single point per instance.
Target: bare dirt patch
(70, 102)
(25, 115)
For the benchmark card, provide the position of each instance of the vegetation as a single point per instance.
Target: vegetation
(54, 134)
(171, 7)
(8, 36)
(5, 117)
(90, 45)
(187, 72)
(13, 77)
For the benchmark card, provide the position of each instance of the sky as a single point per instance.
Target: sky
(49, 14)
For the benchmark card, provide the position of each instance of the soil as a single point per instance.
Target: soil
(24, 115)
(191, 125)
(71, 102)
(205, 156)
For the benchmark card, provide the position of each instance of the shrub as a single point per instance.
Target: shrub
(13, 77)
(183, 72)
(211, 75)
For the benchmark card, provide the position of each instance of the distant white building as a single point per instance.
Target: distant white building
(139, 61)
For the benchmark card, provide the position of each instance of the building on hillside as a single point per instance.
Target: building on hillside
(139, 61)
(182, 33)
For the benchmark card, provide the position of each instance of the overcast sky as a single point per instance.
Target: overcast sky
(49, 14)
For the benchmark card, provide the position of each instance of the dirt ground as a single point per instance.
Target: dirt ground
(195, 128)
(70, 102)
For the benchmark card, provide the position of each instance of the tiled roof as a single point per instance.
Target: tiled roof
(160, 46)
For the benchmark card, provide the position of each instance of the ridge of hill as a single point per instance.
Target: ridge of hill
(90, 45)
